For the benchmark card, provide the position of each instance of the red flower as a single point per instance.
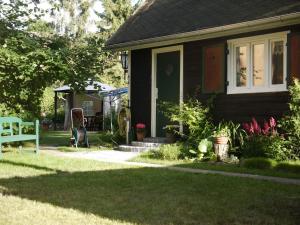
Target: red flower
(140, 126)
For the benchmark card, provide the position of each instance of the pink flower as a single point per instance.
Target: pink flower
(266, 128)
(140, 126)
(253, 128)
(256, 127)
(246, 127)
(272, 122)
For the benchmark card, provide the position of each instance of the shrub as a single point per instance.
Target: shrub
(168, 152)
(291, 122)
(293, 167)
(265, 141)
(193, 115)
(273, 147)
(258, 163)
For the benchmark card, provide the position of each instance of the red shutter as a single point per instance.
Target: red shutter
(295, 55)
(213, 69)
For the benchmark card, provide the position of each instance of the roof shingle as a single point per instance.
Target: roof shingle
(157, 18)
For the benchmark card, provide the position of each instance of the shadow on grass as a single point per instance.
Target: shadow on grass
(32, 166)
(155, 196)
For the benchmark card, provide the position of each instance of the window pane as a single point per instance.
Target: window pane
(88, 108)
(241, 66)
(258, 65)
(277, 62)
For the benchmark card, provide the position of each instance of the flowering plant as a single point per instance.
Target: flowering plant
(268, 129)
(140, 127)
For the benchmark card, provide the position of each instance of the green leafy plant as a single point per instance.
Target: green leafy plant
(222, 130)
(194, 116)
(235, 134)
(291, 122)
(168, 152)
(204, 151)
(274, 147)
(265, 141)
(171, 128)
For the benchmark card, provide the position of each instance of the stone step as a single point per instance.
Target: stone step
(130, 148)
(160, 140)
(145, 144)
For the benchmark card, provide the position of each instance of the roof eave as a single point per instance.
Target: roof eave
(232, 29)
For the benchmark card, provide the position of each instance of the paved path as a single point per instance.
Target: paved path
(123, 157)
(109, 156)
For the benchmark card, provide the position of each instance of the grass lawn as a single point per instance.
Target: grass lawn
(61, 139)
(236, 168)
(42, 189)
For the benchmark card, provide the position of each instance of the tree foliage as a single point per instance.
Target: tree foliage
(71, 16)
(27, 66)
(33, 56)
(115, 13)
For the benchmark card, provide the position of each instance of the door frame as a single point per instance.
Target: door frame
(154, 91)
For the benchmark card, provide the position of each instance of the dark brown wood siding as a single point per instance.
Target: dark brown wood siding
(242, 107)
(141, 88)
(238, 108)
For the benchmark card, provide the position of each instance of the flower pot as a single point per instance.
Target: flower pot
(140, 135)
(221, 140)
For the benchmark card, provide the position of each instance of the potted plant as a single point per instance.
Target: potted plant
(140, 131)
(171, 131)
(221, 138)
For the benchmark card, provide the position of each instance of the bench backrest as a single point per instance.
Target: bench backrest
(6, 125)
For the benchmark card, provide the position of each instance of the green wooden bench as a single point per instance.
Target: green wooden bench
(7, 134)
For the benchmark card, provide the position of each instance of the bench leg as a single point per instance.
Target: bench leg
(37, 141)
(37, 146)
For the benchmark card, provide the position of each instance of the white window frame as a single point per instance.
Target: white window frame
(249, 42)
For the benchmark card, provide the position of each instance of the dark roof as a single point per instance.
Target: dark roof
(157, 18)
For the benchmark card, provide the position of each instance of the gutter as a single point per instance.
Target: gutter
(232, 29)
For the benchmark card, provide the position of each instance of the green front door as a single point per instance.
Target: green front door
(168, 85)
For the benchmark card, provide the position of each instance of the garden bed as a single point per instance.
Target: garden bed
(226, 167)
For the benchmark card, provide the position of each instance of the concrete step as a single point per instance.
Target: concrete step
(130, 148)
(160, 140)
(145, 144)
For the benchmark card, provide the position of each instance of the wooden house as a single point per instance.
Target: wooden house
(245, 52)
